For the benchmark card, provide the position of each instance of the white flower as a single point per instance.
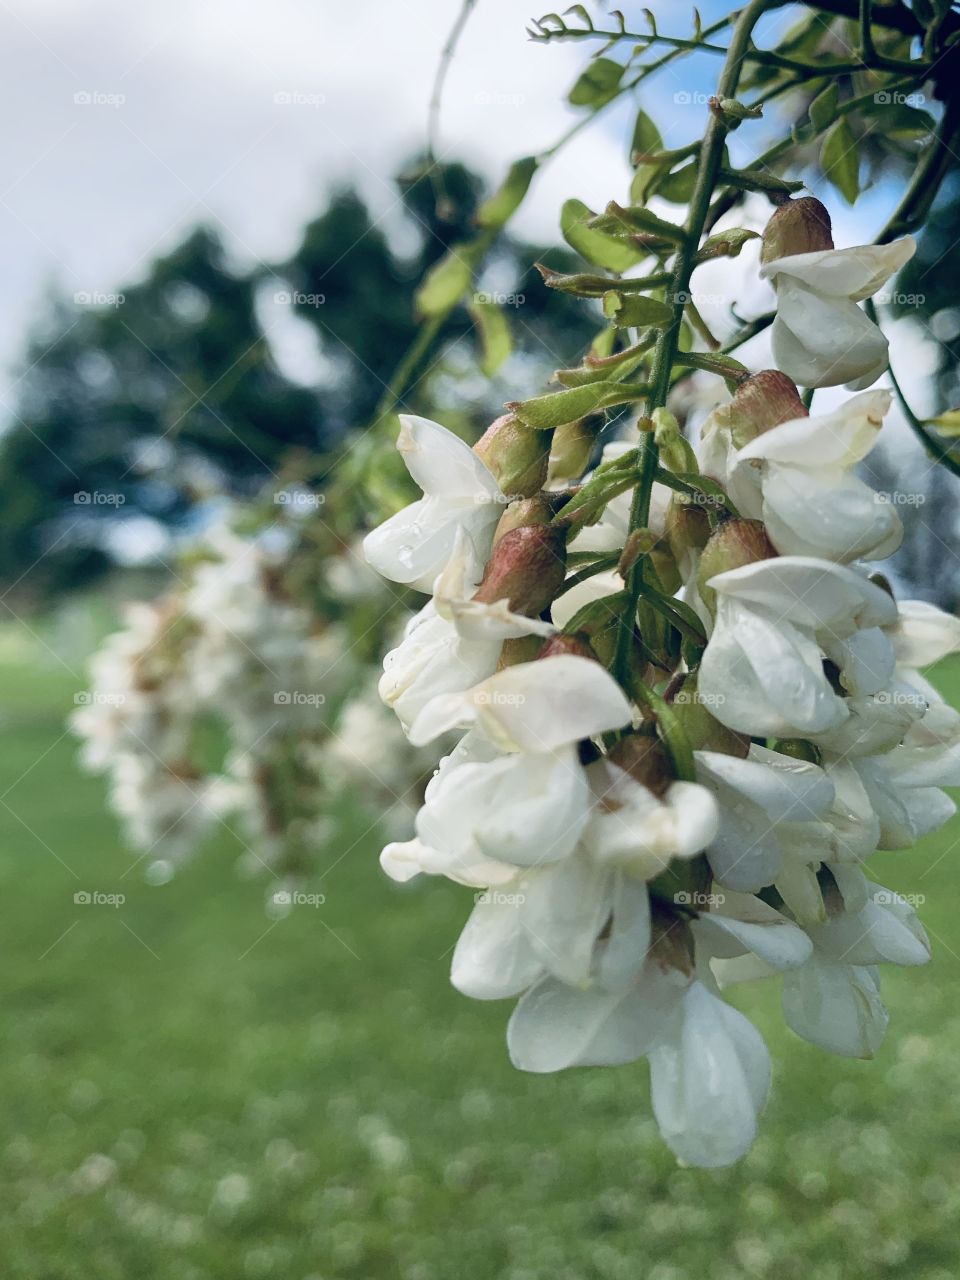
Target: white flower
(514, 792)
(821, 337)
(763, 667)
(533, 706)
(524, 809)
(833, 1000)
(923, 634)
(755, 797)
(433, 658)
(635, 829)
(804, 488)
(709, 1080)
(414, 545)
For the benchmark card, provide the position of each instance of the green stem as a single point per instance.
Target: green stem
(869, 49)
(711, 158)
(764, 57)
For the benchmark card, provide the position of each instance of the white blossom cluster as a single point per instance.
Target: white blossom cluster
(634, 853)
(230, 699)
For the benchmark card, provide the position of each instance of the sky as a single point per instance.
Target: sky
(129, 123)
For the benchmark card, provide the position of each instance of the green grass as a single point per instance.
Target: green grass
(190, 1092)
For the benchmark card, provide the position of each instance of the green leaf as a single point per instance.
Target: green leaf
(495, 340)
(623, 364)
(598, 248)
(677, 187)
(628, 311)
(497, 210)
(446, 282)
(597, 84)
(840, 160)
(554, 410)
(646, 137)
(584, 285)
(824, 107)
(619, 220)
(725, 244)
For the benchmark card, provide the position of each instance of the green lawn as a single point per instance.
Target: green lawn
(192, 1092)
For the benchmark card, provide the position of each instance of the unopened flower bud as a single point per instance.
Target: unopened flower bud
(528, 511)
(687, 531)
(671, 940)
(762, 401)
(571, 450)
(703, 730)
(516, 455)
(645, 759)
(734, 544)
(676, 453)
(796, 226)
(527, 569)
(640, 542)
(577, 644)
(519, 649)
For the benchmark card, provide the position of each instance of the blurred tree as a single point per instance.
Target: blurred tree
(141, 403)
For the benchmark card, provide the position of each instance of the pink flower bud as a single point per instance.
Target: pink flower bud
(734, 544)
(527, 569)
(796, 226)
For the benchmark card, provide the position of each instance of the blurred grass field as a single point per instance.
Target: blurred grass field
(191, 1090)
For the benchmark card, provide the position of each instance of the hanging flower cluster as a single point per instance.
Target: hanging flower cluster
(237, 697)
(683, 737)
